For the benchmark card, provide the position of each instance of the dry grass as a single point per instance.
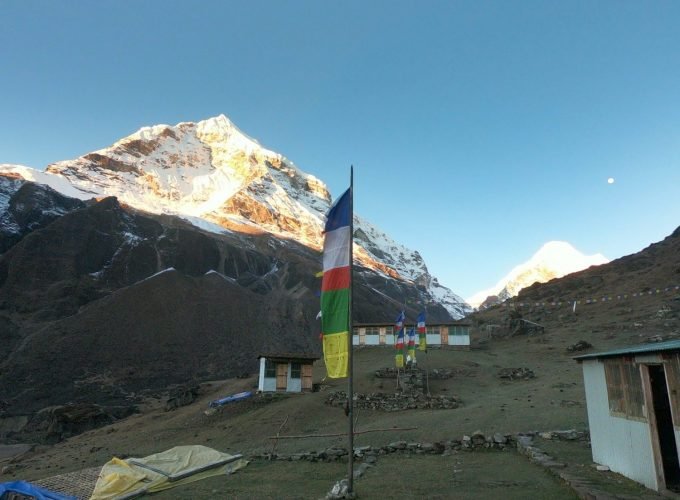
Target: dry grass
(553, 400)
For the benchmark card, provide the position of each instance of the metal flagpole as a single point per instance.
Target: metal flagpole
(350, 360)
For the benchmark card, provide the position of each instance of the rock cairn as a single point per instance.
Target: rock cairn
(516, 373)
(581, 345)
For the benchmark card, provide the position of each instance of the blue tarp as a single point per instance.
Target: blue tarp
(234, 397)
(29, 489)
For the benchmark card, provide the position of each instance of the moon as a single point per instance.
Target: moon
(610, 180)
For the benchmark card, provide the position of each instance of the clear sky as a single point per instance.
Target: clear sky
(479, 130)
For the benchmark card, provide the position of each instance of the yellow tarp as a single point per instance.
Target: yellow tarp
(119, 478)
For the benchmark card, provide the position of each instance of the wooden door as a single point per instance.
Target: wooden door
(281, 376)
(445, 335)
(306, 377)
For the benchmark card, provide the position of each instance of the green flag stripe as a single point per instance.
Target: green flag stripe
(335, 311)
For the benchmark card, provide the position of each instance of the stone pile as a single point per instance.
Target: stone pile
(398, 401)
(581, 345)
(516, 373)
(434, 373)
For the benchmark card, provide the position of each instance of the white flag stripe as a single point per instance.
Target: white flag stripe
(336, 248)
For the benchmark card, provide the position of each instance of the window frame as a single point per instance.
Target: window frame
(625, 392)
(269, 368)
(295, 367)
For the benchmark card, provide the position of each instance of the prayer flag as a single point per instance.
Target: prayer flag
(422, 336)
(399, 333)
(412, 344)
(335, 288)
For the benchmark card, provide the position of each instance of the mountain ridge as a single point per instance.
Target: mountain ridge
(212, 174)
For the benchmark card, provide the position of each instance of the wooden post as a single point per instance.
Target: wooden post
(350, 360)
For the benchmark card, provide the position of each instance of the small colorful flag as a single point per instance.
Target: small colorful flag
(412, 344)
(335, 287)
(399, 333)
(422, 337)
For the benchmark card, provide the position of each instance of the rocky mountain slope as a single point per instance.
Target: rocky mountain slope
(175, 256)
(218, 178)
(102, 303)
(553, 260)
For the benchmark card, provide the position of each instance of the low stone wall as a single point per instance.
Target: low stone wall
(433, 373)
(367, 456)
(398, 401)
(370, 453)
(476, 441)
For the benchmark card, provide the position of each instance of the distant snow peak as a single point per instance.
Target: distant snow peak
(554, 259)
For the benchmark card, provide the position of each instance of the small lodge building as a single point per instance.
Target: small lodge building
(286, 372)
(633, 399)
(452, 335)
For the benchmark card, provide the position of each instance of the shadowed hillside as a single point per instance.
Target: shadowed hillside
(631, 300)
(104, 304)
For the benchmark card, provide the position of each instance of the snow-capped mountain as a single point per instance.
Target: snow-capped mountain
(554, 260)
(218, 178)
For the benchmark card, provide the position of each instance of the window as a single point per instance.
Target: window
(458, 330)
(269, 369)
(624, 388)
(355, 331)
(295, 370)
(432, 330)
(372, 330)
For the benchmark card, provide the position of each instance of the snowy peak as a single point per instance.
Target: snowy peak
(215, 176)
(189, 168)
(554, 259)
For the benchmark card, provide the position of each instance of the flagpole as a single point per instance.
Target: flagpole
(350, 360)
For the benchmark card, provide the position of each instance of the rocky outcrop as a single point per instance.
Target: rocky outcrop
(26, 207)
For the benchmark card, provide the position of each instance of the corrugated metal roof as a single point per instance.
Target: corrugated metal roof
(458, 322)
(669, 345)
(289, 355)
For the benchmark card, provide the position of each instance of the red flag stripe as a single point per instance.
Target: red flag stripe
(335, 279)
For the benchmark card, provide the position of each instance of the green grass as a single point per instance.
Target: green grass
(463, 475)
(265, 480)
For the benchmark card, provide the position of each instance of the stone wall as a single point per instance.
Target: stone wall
(399, 401)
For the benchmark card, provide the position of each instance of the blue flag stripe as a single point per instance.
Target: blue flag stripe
(338, 215)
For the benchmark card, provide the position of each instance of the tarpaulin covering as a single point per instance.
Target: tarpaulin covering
(30, 490)
(160, 471)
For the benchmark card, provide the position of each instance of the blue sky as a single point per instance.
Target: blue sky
(479, 130)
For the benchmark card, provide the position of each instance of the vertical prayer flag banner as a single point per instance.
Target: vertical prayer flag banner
(399, 334)
(412, 344)
(335, 288)
(422, 336)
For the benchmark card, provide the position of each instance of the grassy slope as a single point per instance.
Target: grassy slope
(553, 400)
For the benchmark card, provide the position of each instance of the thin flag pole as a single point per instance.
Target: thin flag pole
(350, 357)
